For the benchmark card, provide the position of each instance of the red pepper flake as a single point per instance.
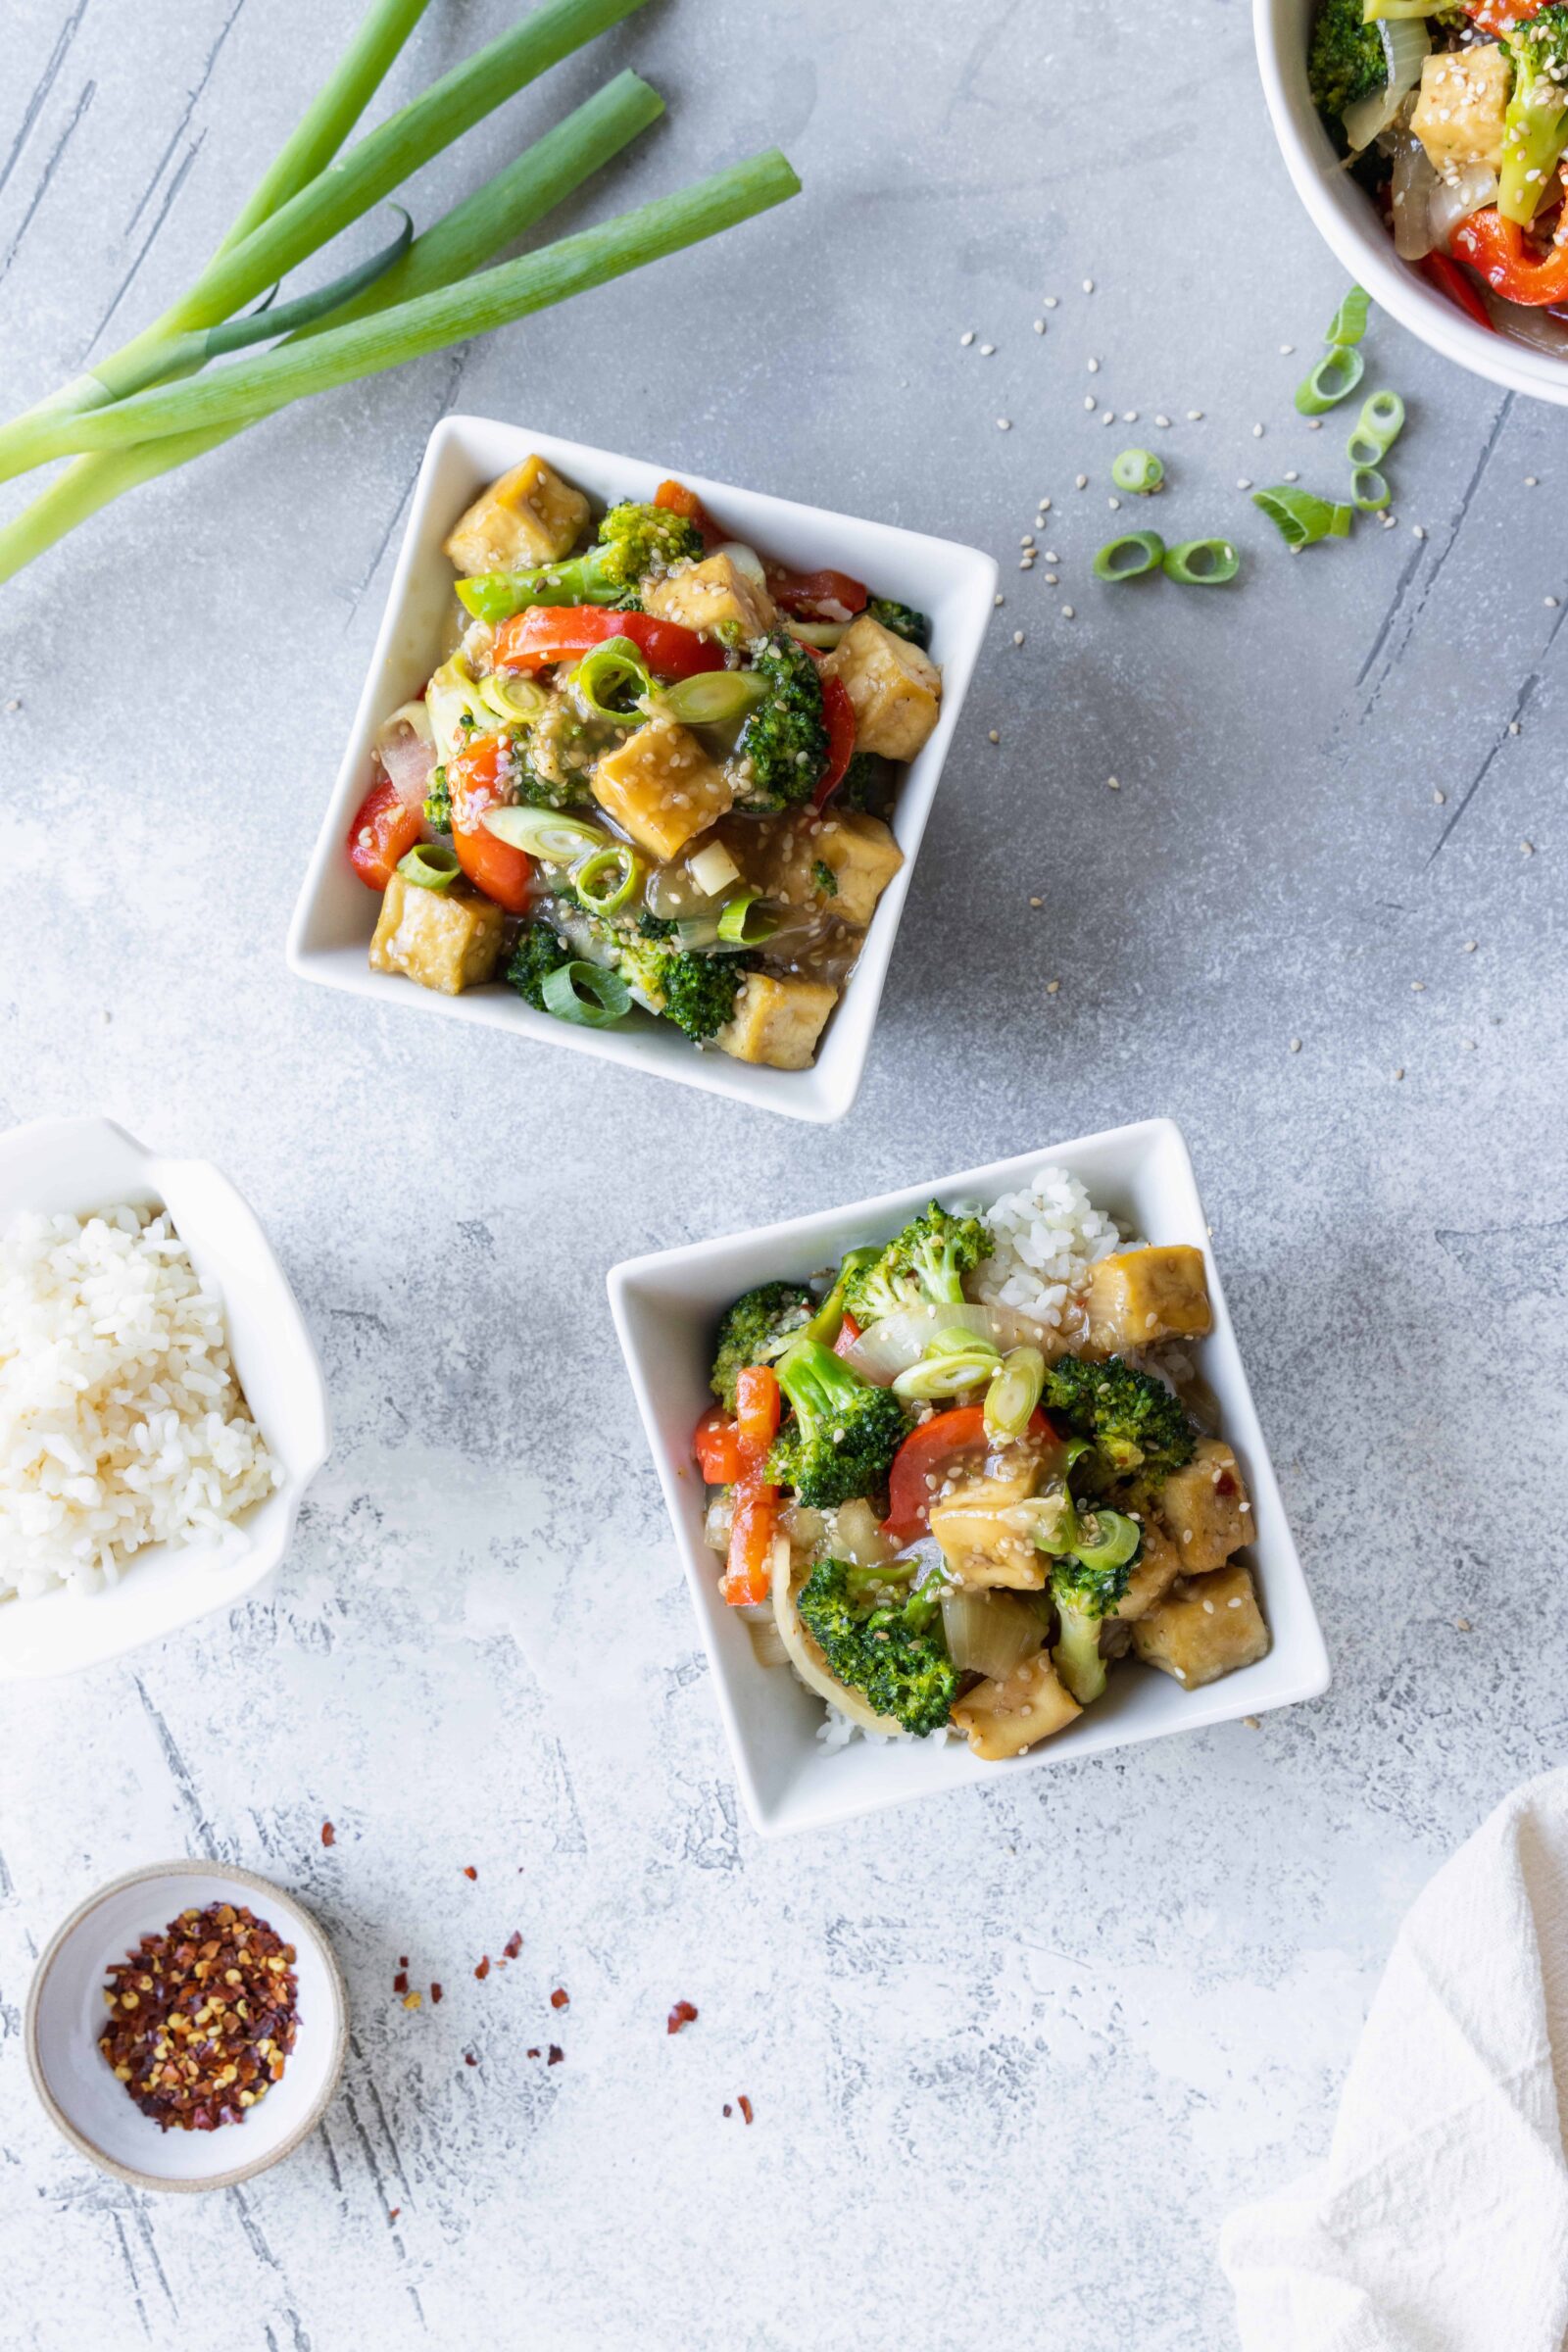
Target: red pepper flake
(557, 2053)
(435, 1992)
(728, 2109)
(744, 2106)
(328, 1834)
(393, 2215)
(403, 1959)
(468, 1871)
(483, 1969)
(400, 1982)
(683, 2014)
(469, 2058)
(513, 1944)
(535, 2053)
(201, 2018)
(559, 1999)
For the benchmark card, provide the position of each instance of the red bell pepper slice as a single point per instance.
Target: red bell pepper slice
(384, 829)
(717, 1448)
(848, 1333)
(478, 779)
(677, 499)
(928, 1450)
(839, 711)
(1448, 278)
(546, 633)
(807, 593)
(1499, 251)
(1500, 17)
(749, 1576)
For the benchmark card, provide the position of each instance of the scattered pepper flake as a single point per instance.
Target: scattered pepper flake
(683, 2014)
(435, 1992)
(557, 2053)
(728, 2109)
(400, 1982)
(468, 1871)
(328, 1834)
(414, 2000)
(393, 2215)
(744, 2106)
(513, 1943)
(469, 2058)
(534, 2054)
(559, 1999)
(483, 1969)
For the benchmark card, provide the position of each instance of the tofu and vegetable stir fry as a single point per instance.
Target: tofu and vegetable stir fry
(655, 772)
(961, 1476)
(1456, 120)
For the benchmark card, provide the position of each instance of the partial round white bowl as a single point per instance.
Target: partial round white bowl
(75, 1166)
(1349, 222)
(65, 2011)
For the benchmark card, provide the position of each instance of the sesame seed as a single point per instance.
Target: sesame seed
(1037, 901)
(1417, 530)
(1529, 482)
(1244, 481)
(1314, 424)
(1067, 613)
(1047, 302)
(1257, 432)
(1027, 540)
(1017, 636)
(1051, 556)
(1114, 783)
(1110, 418)
(1194, 416)
(967, 338)
(1296, 1045)
(1550, 603)
(1004, 424)
(1162, 421)
(1292, 475)
(1040, 326)
(1469, 1044)
(1026, 562)
(1052, 988)
(1419, 987)
(1114, 504)
(993, 736)
(1398, 1074)
(1129, 415)
(1285, 350)
(1461, 1625)
(1440, 798)
(1093, 367)
(988, 350)
(1089, 402)
(1079, 481)
(1469, 947)
(1254, 1723)
(1052, 579)
(1527, 848)
(998, 598)
(1513, 727)
(1089, 285)
(1045, 505)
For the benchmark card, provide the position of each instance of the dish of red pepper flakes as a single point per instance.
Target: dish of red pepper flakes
(201, 2018)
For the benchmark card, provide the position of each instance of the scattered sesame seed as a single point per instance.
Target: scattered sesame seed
(1254, 1723)
(1285, 350)
(1052, 579)
(1314, 424)
(1469, 1044)
(1296, 1045)
(1527, 848)
(1398, 1074)
(1051, 556)
(1529, 482)
(1469, 947)
(1093, 367)
(993, 736)
(1129, 415)
(1162, 421)
(1047, 302)
(1244, 481)
(988, 350)
(1550, 603)
(1040, 326)
(1053, 987)
(1037, 901)
(1017, 636)
(1079, 481)
(1114, 504)
(1004, 424)
(1026, 562)
(15, 703)
(1461, 1625)
(1292, 475)
(1109, 417)
(1067, 613)
(1089, 285)
(1089, 402)
(1257, 432)
(1440, 798)
(1419, 987)
(1513, 727)
(967, 338)
(1045, 505)
(1027, 540)
(998, 598)
(1194, 416)
(1114, 783)
(1417, 530)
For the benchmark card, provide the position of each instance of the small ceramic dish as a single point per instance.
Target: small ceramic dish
(1345, 215)
(666, 1308)
(65, 2016)
(59, 1166)
(330, 935)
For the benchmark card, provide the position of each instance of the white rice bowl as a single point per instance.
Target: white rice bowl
(122, 1422)
(1048, 1234)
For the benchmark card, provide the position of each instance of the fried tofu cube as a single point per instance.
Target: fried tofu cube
(1460, 116)
(863, 857)
(447, 940)
(529, 517)
(1154, 1571)
(702, 595)
(979, 1527)
(1205, 1628)
(1206, 1508)
(661, 786)
(1004, 1718)
(894, 687)
(777, 1021)
(1141, 1296)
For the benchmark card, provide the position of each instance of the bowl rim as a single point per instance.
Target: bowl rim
(1307, 1653)
(820, 1093)
(1362, 247)
(254, 1884)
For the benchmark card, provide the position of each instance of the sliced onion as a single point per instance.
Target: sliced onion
(891, 1344)
(406, 749)
(1540, 328)
(1454, 201)
(1415, 183)
(812, 1667)
(1406, 42)
(990, 1633)
(745, 560)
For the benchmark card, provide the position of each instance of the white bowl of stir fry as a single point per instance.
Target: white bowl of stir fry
(1422, 159)
(642, 765)
(967, 1480)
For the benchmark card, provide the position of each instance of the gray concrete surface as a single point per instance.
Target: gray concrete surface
(1012, 2054)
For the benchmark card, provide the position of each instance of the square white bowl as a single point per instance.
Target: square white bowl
(330, 937)
(666, 1309)
(74, 1167)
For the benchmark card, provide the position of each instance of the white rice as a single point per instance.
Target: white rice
(122, 1423)
(1048, 1234)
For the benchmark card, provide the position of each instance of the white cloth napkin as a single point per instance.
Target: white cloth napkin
(1439, 2222)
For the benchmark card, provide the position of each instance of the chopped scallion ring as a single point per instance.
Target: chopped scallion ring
(585, 992)
(618, 860)
(713, 696)
(1013, 1395)
(1349, 322)
(1377, 428)
(744, 923)
(1203, 562)
(1333, 380)
(611, 680)
(547, 833)
(1130, 556)
(1369, 490)
(937, 1376)
(1300, 516)
(430, 867)
(513, 697)
(1138, 470)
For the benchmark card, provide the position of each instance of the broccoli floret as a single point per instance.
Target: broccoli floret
(1083, 1596)
(633, 541)
(896, 1657)
(537, 954)
(826, 880)
(903, 619)
(1132, 1418)
(864, 782)
(922, 1266)
(759, 1327)
(845, 1432)
(1535, 126)
(696, 992)
(1346, 61)
(438, 802)
(781, 756)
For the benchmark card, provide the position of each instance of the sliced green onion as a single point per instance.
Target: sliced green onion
(1106, 1539)
(1138, 470)
(617, 860)
(1300, 516)
(1331, 379)
(824, 634)
(585, 992)
(1130, 556)
(1349, 322)
(547, 833)
(959, 1340)
(697, 931)
(1377, 428)
(612, 679)
(1050, 1520)
(509, 696)
(743, 922)
(713, 696)
(432, 867)
(935, 1376)
(1203, 562)
(1369, 490)
(1013, 1395)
